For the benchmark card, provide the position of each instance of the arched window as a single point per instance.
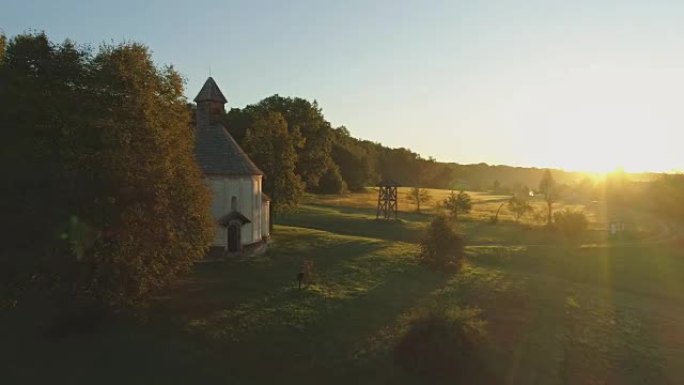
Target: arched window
(233, 203)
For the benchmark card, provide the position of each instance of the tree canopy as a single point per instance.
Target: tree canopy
(102, 194)
(271, 146)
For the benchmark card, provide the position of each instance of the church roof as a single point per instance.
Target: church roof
(219, 154)
(215, 149)
(210, 92)
(233, 215)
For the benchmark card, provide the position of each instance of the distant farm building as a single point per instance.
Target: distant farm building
(239, 206)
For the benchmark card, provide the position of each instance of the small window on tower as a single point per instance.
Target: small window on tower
(233, 203)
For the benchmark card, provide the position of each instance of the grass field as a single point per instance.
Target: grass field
(608, 312)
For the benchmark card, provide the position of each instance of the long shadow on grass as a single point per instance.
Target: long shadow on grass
(253, 316)
(117, 352)
(310, 337)
(607, 339)
(583, 323)
(217, 286)
(356, 222)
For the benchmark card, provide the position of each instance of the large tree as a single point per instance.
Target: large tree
(37, 81)
(274, 149)
(107, 200)
(306, 118)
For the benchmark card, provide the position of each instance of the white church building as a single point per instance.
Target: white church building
(239, 207)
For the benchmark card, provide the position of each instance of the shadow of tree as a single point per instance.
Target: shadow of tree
(356, 222)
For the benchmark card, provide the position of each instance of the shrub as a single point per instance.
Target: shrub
(571, 224)
(418, 196)
(443, 344)
(306, 273)
(458, 203)
(520, 205)
(331, 182)
(441, 246)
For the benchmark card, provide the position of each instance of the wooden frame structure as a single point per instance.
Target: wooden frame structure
(388, 200)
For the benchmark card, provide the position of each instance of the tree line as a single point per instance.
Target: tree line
(300, 151)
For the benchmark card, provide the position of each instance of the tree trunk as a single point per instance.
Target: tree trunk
(548, 219)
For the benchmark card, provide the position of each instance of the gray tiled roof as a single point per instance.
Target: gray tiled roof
(216, 151)
(210, 92)
(219, 154)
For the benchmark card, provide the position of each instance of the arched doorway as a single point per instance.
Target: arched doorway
(233, 237)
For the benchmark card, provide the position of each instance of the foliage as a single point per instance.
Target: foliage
(664, 196)
(418, 196)
(571, 224)
(97, 155)
(519, 205)
(3, 47)
(443, 344)
(547, 186)
(455, 203)
(331, 182)
(441, 246)
(356, 161)
(273, 148)
(306, 118)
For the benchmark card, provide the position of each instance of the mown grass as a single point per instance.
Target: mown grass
(609, 312)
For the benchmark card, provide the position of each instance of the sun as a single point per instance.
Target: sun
(602, 150)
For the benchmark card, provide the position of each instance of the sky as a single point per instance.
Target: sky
(580, 85)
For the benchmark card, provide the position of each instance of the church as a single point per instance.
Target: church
(239, 207)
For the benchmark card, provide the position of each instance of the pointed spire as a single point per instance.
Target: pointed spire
(210, 92)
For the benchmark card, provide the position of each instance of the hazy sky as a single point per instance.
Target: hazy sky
(573, 84)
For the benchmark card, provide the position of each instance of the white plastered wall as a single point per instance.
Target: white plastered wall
(247, 190)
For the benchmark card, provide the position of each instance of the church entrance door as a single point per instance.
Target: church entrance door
(233, 238)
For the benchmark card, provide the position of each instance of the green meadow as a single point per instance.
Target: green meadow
(606, 311)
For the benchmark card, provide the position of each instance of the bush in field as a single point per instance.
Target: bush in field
(331, 182)
(443, 344)
(458, 203)
(571, 224)
(520, 205)
(441, 246)
(418, 196)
